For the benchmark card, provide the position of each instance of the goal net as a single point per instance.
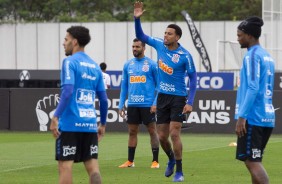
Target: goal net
(229, 55)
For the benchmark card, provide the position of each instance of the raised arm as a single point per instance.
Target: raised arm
(138, 12)
(138, 9)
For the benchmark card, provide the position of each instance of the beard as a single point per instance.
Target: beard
(136, 53)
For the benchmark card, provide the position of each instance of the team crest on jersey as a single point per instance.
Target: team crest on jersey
(175, 58)
(145, 68)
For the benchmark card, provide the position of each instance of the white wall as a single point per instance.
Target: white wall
(39, 45)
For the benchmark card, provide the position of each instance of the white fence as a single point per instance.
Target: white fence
(39, 45)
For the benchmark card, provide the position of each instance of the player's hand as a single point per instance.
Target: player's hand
(138, 9)
(122, 113)
(101, 131)
(153, 109)
(187, 109)
(241, 127)
(54, 127)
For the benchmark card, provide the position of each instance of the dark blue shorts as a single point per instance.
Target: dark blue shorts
(140, 115)
(252, 145)
(170, 108)
(77, 146)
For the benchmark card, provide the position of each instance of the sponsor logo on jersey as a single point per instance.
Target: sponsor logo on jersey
(67, 150)
(175, 58)
(86, 76)
(89, 65)
(165, 68)
(137, 98)
(84, 96)
(137, 79)
(68, 77)
(87, 113)
(87, 125)
(167, 87)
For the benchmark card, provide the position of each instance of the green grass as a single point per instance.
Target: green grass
(29, 158)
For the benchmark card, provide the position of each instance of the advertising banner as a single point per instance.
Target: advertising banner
(213, 111)
(4, 109)
(205, 80)
(278, 81)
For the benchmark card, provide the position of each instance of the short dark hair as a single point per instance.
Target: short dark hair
(103, 66)
(177, 29)
(137, 40)
(81, 34)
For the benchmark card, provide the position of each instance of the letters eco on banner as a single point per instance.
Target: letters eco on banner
(198, 43)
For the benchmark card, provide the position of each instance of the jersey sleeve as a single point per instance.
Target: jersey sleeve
(124, 86)
(252, 69)
(68, 74)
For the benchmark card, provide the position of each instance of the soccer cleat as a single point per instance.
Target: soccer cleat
(155, 165)
(170, 168)
(178, 177)
(127, 164)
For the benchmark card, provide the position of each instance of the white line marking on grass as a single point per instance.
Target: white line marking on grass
(22, 168)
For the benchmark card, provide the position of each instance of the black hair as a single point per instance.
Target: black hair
(103, 66)
(137, 40)
(177, 29)
(81, 34)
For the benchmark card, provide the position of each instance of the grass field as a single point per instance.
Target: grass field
(29, 158)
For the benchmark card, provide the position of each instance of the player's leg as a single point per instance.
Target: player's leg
(149, 121)
(250, 149)
(257, 171)
(88, 153)
(65, 172)
(177, 118)
(133, 121)
(65, 155)
(92, 168)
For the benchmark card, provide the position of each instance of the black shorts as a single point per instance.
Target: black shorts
(139, 115)
(77, 146)
(252, 145)
(170, 108)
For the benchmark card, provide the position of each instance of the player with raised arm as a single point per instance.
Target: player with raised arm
(174, 63)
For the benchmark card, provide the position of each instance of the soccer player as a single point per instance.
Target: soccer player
(74, 124)
(106, 77)
(174, 62)
(139, 81)
(254, 110)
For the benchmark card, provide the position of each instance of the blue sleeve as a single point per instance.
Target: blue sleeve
(67, 91)
(192, 87)
(252, 77)
(139, 32)
(124, 87)
(103, 99)
(155, 76)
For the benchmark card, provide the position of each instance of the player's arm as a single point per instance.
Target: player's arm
(123, 91)
(138, 11)
(252, 77)
(67, 91)
(192, 74)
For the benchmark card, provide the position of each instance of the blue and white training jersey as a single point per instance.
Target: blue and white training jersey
(139, 81)
(254, 95)
(86, 76)
(173, 66)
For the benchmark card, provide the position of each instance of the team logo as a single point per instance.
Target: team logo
(175, 58)
(24, 75)
(145, 68)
